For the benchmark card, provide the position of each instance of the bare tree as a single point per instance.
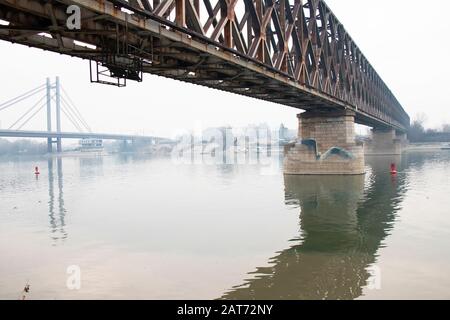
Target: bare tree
(446, 127)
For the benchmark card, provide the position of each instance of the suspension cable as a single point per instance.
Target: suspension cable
(27, 112)
(71, 119)
(78, 111)
(63, 109)
(69, 116)
(70, 112)
(20, 98)
(32, 116)
(78, 114)
(74, 113)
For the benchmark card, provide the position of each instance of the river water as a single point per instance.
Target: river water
(140, 227)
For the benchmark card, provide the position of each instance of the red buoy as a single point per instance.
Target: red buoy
(36, 171)
(393, 168)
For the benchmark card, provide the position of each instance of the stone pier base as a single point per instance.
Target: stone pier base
(326, 146)
(385, 142)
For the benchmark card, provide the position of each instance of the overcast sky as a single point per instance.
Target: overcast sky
(406, 41)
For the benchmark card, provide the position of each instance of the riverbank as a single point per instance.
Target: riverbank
(427, 146)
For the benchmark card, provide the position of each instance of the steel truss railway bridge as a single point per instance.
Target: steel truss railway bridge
(291, 52)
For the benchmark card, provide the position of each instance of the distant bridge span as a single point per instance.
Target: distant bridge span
(292, 52)
(78, 135)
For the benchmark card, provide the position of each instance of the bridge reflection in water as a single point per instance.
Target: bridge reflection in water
(343, 222)
(57, 211)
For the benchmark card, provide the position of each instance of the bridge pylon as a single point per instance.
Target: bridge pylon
(57, 89)
(49, 115)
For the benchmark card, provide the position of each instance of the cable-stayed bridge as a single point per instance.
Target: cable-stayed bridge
(53, 97)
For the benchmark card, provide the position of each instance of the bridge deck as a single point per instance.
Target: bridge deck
(76, 135)
(291, 52)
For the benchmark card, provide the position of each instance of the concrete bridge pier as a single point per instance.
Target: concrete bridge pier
(124, 145)
(129, 145)
(326, 145)
(386, 142)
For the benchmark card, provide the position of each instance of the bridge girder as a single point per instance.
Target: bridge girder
(79, 135)
(293, 52)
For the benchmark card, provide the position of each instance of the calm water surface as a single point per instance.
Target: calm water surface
(148, 228)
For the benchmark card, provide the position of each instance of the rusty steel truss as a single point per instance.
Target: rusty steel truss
(292, 52)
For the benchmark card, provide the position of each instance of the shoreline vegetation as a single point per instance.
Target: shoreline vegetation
(22, 147)
(421, 140)
(418, 134)
(30, 147)
(426, 146)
